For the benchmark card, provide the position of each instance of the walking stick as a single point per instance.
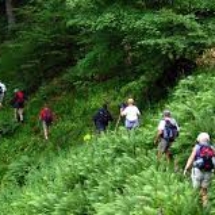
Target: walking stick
(117, 122)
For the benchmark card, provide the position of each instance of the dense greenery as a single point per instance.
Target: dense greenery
(79, 53)
(148, 41)
(116, 172)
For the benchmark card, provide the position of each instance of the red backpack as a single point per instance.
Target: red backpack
(204, 157)
(20, 97)
(47, 115)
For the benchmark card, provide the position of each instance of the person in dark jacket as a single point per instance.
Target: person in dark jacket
(102, 118)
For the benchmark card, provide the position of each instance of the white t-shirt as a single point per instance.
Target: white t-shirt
(131, 113)
(162, 123)
(3, 87)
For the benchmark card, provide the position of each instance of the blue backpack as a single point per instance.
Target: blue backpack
(170, 131)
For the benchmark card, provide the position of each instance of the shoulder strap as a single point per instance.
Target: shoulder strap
(198, 149)
(200, 146)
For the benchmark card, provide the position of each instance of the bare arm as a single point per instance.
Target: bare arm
(190, 160)
(158, 136)
(123, 112)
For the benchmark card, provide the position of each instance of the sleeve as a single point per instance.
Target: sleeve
(138, 112)
(176, 124)
(161, 125)
(4, 88)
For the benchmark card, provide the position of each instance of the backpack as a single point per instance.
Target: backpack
(204, 158)
(103, 116)
(170, 131)
(20, 97)
(47, 116)
(122, 106)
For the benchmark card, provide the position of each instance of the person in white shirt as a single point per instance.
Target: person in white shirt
(131, 113)
(3, 89)
(168, 130)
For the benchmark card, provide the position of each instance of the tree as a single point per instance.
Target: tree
(10, 13)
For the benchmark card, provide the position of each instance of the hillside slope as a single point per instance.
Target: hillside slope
(113, 174)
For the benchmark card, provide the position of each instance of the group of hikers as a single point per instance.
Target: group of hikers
(129, 111)
(201, 160)
(46, 115)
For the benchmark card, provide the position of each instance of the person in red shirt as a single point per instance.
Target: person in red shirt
(18, 102)
(46, 117)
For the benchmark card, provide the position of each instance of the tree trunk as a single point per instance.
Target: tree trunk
(10, 14)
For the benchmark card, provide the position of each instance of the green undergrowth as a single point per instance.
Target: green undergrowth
(115, 173)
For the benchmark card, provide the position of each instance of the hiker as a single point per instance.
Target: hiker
(3, 90)
(168, 130)
(18, 102)
(131, 113)
(102, 118)
(202, 162)
(46, 116)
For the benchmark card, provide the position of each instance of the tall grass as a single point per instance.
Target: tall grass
(116, 173)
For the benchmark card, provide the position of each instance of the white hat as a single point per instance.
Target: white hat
(203, 137)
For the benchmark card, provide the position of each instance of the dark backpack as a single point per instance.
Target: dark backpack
(122, 106)
(204, 158)
(103, 116)
(1, 90)
(170, 131)
(48, 116)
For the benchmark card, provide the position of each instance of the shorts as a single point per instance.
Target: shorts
(200, 178)
(163, 145)
(45, 124)
(18, 105)
(131, 124)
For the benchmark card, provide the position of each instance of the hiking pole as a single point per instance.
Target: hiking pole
(117, 122)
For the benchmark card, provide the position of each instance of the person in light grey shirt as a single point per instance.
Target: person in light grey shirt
(167, 132)
(3, 90)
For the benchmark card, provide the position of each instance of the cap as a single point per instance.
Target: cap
(166, 113)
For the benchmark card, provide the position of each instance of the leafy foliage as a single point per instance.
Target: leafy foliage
(115, 173)
(108, 51)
